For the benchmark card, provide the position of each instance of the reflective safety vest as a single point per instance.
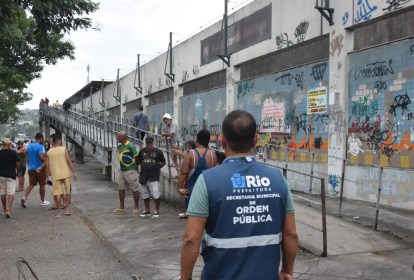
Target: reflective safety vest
(247, 202)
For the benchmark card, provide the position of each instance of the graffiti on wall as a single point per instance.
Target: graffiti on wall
(336, 43)
(354, 145)
(279, 102)
(400, 102)
(282, 40)
(334, 182)
(393, 5)
(364, 10)
(291, 79)
(244, 87)
(345, 18)
(397, 186)
(380, 105)
(318, 71)
(203, 109)
(301, 30)
(273, 117)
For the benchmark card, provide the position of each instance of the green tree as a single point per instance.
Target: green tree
(32, 35)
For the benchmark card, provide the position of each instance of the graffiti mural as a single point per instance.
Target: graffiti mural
(280, 104)
(202, 109)
(380, 106)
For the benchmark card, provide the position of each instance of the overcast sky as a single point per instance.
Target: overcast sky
(128, 27)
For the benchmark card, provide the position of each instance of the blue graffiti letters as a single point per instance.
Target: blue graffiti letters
(364, 11)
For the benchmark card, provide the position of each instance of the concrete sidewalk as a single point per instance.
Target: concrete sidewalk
(96, 243)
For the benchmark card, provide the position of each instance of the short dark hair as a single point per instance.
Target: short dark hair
(140, 108)
(39, 136)
(190, 143)
(56, 137)
(239, 129)
(203, 137)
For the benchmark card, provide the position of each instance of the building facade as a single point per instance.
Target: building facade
(336, 87)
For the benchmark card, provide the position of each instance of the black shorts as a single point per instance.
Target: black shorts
(21, 171)
(140, 135)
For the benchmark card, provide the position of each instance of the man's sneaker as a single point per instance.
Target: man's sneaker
(23, 202)
(156, 214)
(145, 214)
(44, 203)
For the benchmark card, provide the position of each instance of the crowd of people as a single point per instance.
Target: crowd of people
(239, 212)
(46, 164)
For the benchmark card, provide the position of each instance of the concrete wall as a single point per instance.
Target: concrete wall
(305, 81)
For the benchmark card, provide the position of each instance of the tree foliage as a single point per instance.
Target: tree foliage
(32, 35)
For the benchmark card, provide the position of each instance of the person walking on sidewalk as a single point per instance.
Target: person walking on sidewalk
(60, 167)
(141, 123)
(9, 163)
(194, 164)
(245, 210)
(151, 160)
(37, 170)
(128, 177)
(21, 152)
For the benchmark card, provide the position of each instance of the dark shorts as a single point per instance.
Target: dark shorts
(21, 171)
(37, 177)
(140, 135)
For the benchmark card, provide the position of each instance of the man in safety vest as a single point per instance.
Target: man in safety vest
(246, 210)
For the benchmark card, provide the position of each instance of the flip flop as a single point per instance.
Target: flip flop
(69, 213)
(119, 210)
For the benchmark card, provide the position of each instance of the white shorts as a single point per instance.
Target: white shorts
(150, 189)
(7, 186)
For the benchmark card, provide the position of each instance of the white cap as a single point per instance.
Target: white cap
(167, 116)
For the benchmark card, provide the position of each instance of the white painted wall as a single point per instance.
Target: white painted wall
(288, 17)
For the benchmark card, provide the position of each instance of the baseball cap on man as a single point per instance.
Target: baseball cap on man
(149, 139)
(6, 141)
(167, 116)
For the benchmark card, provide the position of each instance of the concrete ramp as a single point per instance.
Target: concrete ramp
(343, 237)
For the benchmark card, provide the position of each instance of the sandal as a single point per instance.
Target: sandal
(119, 210)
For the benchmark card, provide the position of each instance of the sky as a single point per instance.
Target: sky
(127, 27)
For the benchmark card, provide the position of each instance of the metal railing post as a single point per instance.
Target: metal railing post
(168, 157)
(377, 207)
(341, 191)
(324, 228)
(311, 179)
